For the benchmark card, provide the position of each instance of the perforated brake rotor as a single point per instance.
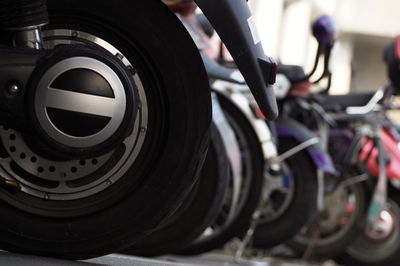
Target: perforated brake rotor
(32, 163)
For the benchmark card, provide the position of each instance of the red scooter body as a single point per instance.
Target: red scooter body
(301, 89)
(369, 154)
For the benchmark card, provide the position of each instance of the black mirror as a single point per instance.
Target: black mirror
(325, 30)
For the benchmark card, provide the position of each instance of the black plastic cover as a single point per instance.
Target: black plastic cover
(233, 22)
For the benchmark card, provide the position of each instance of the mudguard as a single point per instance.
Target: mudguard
(241, 102)
(233, 22)
(369, 154)
(290, 128)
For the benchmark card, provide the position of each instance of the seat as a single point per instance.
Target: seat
(341, 102)
(294, 73)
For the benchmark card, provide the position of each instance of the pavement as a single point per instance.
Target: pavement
(211, 259)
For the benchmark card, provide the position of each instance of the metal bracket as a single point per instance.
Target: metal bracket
(302, 146)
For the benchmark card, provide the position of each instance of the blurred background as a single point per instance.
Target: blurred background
(366, 26)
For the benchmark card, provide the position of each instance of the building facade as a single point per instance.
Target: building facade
(366, 26)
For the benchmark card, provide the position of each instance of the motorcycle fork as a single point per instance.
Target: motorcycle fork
(24, 25)
(379, 199)
(24, 19)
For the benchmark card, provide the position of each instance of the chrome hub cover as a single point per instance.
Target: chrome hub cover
(80, 117)
(384, 227)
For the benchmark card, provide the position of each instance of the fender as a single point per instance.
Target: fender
(232, 149)
(288, 127)
(261, 129)
(369, 155)
(233, 22)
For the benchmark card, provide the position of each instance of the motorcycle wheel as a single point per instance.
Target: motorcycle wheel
(197, 212)
(339, 224)
(131, 190)
(291, 203)
(224, 230)
(383, 246)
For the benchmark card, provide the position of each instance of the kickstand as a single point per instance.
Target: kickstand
(249, 235)
(308, 253)
(250, 232)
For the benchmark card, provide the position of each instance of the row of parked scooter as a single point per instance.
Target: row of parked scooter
(322, 179)
(105, 115)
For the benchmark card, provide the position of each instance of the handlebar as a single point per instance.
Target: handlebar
(369, 107)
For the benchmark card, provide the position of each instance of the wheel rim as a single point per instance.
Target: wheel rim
(334, 223)
(222, 222)
(76, 179)
(378, 246)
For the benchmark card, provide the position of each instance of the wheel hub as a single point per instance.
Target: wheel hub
(383, 229)
(83, 105)
(279, 191)
(335, 210)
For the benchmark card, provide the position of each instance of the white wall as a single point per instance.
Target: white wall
(286, 35)
(372, 17)
(268, 15)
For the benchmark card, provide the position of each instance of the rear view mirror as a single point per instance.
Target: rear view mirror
(325, 31)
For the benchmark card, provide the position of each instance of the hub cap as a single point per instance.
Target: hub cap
(384, 228)
(75, 116)
(377, 246)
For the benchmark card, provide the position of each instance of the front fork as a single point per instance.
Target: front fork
(21, 50)
(24, 19)
(379, 198)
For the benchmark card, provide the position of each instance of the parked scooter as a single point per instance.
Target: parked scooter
(105, 117)
(238, 203)
(295, 194)
(375, 146)
(291, 184)
(255, 143)
(364, 146)
(325, 234)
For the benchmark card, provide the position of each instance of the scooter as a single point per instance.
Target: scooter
(324, 234)
(105, 114)
(290, 178)
(255, 144)
(296, 193)
(375, 147)
(354, 227)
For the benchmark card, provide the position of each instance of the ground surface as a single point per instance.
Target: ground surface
(123, 260)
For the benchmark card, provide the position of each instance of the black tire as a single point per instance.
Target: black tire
(175, 86)
(198, 211)
(301, 204)
(333, 243)
(367, 252)
(238, 227)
